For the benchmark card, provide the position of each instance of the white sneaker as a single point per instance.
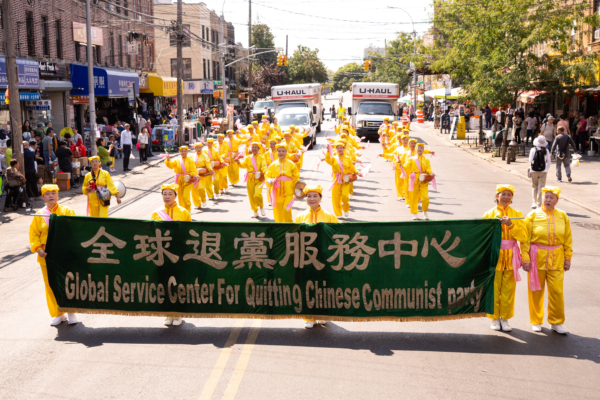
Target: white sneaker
(177, 321)
(536, 328)
(495, 324)
(505, 326)
(402, 199)
(263, 212)
(399, 199)
(346, 214)
(309, 324)
(204, 204)
(415, 217)
(168, 321)
(72, 318)
(425, 216)
(58, 320)
(319, 322)
(534, 205)
(225, 190)
(255, 215)
(407, 205)
(559, 329)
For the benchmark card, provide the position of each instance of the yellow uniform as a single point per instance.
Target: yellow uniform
(95, 209)
(175, 212)
(283, 190)
(505, 284)
(311, 216)
(341, 189)
(548, 228)
(38, 236)
(205, 182)
(403, 160)
(213, 155)
(420, 189)
(185, 188)
(396, 164)
(233, 171)
(270, 156)
(253, 185)
(224, 153)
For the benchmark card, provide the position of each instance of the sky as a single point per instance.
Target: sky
(340, 29)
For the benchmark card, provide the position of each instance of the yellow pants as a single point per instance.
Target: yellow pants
(199, 192)
(255, 194)
(269, 189)
(339, 198)
(351, 187)
(420, 193)
(233, 172)
(279, 209)
(113, 162)
(223, 178)
(504, 295)
(399, 183)
(96, 209)
(183, 195)
(216, 184)
(50, 299)
(556, 301)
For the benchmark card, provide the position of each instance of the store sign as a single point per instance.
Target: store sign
(23, 96)
(80, 34)
(41, 105)
(80, 99)
(51, 69)
(28, 70)
(541, 100)
(144, 82)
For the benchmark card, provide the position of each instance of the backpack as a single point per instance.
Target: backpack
(539, 161)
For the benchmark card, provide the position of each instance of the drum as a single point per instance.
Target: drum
(203, 172)
(216, 164)
(299, 190)
(259, 175)
(187, 178)
(425, 178)
(295, 158)
(227, 160)
(350, 178)
(122, 189)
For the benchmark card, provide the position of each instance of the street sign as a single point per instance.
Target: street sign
(218, 82)
(419, 82)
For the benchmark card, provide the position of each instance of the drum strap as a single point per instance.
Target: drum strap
(338, 176)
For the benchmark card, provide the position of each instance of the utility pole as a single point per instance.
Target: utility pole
(179, 73)
(415, 74)
(90, 62)
(286, 46)
(249, 52)
(223, 50)
(12, 75)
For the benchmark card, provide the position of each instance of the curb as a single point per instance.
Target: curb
(515, 173)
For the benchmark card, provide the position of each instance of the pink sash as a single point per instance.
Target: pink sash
(516, 256)
(182, 164)
(534, 280)
(411, 184)
(276, 186)
(338, 176)
(46, 211)
(255, 168)
(163, 215)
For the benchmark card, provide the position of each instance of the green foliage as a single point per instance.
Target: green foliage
(493, 46)
(264, 78)
(346, 75)
(263, 39)
(305, 66)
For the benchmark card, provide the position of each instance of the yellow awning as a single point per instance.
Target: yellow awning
(162, 86)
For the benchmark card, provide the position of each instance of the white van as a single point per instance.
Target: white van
(301, 118)
(300, 95)
(371, 102)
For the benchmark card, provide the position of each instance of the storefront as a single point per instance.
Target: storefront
(54, 96)
(164, 92)
(29, 84)
(198, 93)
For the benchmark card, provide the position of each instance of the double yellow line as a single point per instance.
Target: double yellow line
(240, 367)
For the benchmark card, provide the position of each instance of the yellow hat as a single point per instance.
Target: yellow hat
(288, 132)
(259, 144)
(339, 143)
(90, 159)
(395, 123)
(220, 135)
(230, 131)
(405, 136)
(173, 186)
(386, 118)
(292, 126)
(553, 189)
(274, 138)
(198, 144)
(49, 188)
(343, 136)
(210, 140)
(250, 126)
(265, 117)
(254, 122)
(282, 144)
(184, 148)
(314, 188)
(421, 144)
(413, 140)
(244, 130)
(501, 187)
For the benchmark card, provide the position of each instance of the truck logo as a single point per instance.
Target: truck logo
(374, 91)
(290, 92)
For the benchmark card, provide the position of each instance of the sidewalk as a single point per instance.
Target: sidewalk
(583, 191)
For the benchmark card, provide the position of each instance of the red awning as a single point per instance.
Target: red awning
(529, 96)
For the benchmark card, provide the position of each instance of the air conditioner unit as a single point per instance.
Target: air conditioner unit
(139, 17)
(132, 48)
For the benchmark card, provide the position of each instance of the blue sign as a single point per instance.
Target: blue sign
(23, 96)
(107, 82)
(29, 73)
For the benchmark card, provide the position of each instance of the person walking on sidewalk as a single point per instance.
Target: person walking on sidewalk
(549, 131)
(581, 136)
(531, 126)
(539, 159)
(488, 117)
(562, 151)
(143, 140)
(126, 143)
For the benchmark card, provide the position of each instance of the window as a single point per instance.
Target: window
(187, 68)
(204, 68)
(98, 54)
(118, 6)
(202, 31)
(111, 49)
(58, 33)
(125, 7)
(151, 55)
(120, 48)
(77, 51)
(45, 38)
(30, 37)
(596, 32)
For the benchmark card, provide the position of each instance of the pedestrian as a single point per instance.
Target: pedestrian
(15, 181)
(563, 154)
(488, 117)
(119, 128)
(76, 136)
(27, 131)
(548, 130)
(539, 161)
(517, 122)
(38, 235)
(9, 151)
(341, 113)
(333, 115)
(581, 135)
(103, 154)
(564, 122)
(437, 116)
(507, 269)
(126, 143)
(143, 141)
(39, 131)
(531, 127)
(65, 160)
(113, 148)
(547, 254)
(49, 145)
(94, 180)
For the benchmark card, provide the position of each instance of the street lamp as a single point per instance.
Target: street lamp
(414, 53)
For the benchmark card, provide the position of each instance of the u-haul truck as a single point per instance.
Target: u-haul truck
(371, 102)
(300, 95)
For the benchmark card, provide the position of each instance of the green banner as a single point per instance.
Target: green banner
(429, 270)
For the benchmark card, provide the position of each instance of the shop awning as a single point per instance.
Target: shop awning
(161, 86)
(107, 81)
(530, 96)
(457, 92)
(55, 86)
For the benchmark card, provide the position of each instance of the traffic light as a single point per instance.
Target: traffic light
(370, 65)
(285, 61)
(366, 66)
(280, 60)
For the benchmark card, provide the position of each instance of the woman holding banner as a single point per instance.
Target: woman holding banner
(547, 254)
(256, 168)
(95, 180)
(38, 235)
(282, 175)
(509, 262)
(171, 212)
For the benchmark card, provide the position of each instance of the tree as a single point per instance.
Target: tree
(501, 48)
(264, 78)
(393, 67)
(346, 75)
(305, 67)
(263, 39)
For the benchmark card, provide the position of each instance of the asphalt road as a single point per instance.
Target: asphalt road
(105, 357)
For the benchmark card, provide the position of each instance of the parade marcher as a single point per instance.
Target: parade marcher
(223, 149)
(342, 167)
(256, 168)
(233, 171)
(509, 262)
(95, 179)
(410, 152)
(399, 173)
(270, 157)
(419, 190)
(186, 176)
(282, 175)
(38, 235)
(205, 179)
(213, 156)
(171, 212)
(547, 254)
(314, 214)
